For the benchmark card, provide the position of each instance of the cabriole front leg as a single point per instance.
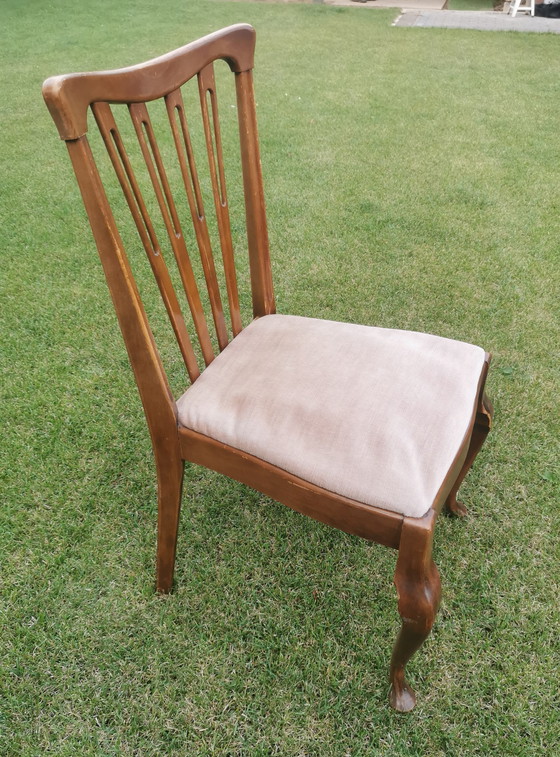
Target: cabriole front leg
(419, 591)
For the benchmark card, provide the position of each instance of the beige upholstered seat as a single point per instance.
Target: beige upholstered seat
(377, 415)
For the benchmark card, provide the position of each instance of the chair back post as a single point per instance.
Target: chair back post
(155, 393)
(257, 232)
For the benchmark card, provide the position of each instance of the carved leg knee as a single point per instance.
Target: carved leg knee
(419, 591)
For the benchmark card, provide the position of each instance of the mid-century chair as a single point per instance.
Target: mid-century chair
(367, 429)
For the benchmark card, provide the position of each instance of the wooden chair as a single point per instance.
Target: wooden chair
(376, 445)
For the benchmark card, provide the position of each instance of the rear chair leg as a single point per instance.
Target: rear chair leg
(419, 591)
(170, 470)
(482, 426)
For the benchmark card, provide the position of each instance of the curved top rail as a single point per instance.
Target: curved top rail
(69, 96)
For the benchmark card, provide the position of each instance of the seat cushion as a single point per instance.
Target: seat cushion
(377, 415)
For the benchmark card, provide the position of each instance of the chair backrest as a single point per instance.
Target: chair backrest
(69, 98)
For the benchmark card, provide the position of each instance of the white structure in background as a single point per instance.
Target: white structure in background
(527, 7)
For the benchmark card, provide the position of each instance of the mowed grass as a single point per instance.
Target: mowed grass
(412, 181)
(470, 5)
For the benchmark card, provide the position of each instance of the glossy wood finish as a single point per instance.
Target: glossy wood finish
(482, 425)
(68, 98)
(257, 232)
(170, 469)
(150, 152)
(209, 108)
(468, 449)
(419, 592)
(127, 179)
(155, 393)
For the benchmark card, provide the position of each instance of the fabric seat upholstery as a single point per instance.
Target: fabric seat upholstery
(377, 415)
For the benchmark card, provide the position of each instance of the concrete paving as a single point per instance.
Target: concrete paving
(489, 21)
(424, 14)
(433, 14)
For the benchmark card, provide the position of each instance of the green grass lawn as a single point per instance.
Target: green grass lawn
(470, 5)
(412, 181)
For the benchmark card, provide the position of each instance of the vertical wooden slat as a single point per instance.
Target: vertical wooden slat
(131, 190)
(207, 88)
(185, 154)
(175, 107)
(257, 234)
(149, 148)
(153, 386)
(261, 280)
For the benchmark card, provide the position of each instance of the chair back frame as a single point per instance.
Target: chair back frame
(68, 98)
